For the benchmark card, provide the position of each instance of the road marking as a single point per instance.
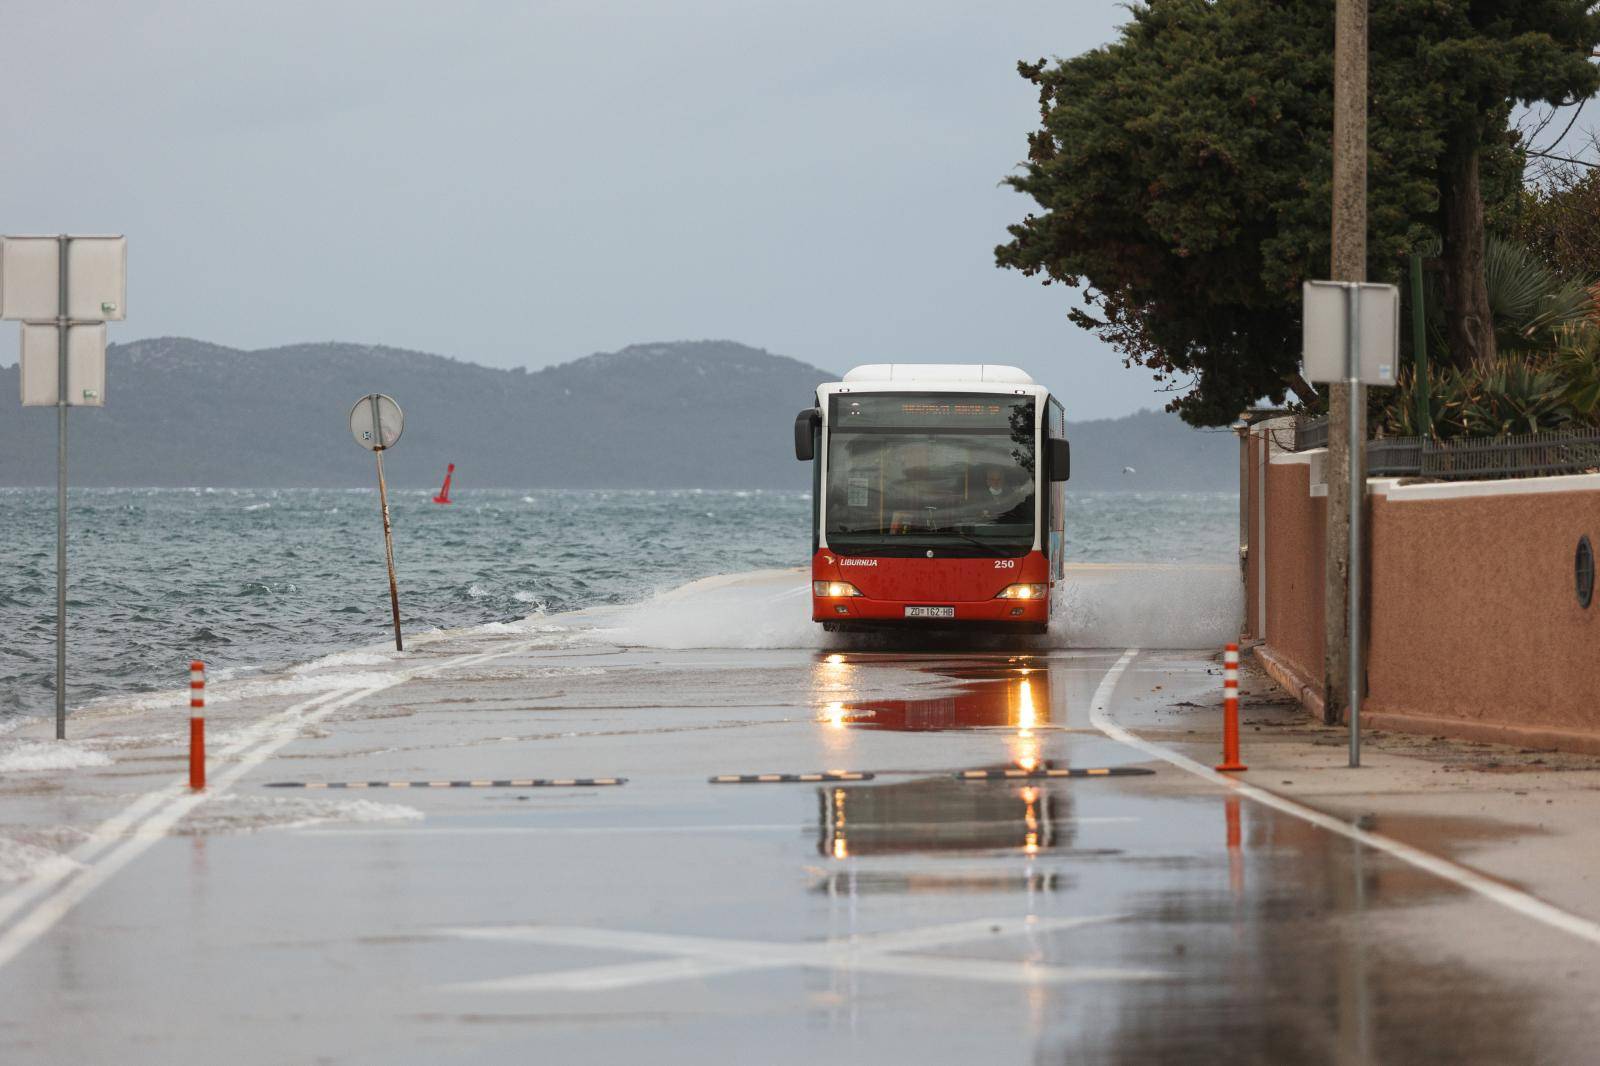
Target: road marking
(121, 838)
(789, 779)
(1512, 899)
(700, 957)
(576, 830)
(510, 782)
(1066, 771)
(118, 826)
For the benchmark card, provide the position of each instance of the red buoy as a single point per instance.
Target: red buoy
(444, 490)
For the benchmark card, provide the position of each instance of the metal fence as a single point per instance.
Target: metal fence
(1514, 455)
(1310, 433)
(1395, 456)
(1518, 455)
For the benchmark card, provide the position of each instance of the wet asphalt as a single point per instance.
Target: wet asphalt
(909, 917)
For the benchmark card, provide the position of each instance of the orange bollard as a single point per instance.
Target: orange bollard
(1230, 710)
(197, 725)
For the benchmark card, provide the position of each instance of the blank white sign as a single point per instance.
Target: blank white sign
(97, 278)
(86, 365)
(1325, 326)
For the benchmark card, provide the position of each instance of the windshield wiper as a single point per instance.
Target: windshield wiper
(909, 540)
(970, 539)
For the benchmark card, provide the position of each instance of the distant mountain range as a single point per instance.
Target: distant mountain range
(688, 414)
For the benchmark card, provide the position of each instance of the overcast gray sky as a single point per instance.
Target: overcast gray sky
(523, 184)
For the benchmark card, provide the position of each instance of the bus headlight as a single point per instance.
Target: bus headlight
(834, 589)
(1024, 592)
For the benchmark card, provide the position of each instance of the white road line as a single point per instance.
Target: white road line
(699, 957)
(117, 827)
(98, 860)
(1512, 899)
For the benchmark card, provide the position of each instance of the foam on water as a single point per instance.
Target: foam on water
(299, 682)
(31, 755)
(235, 813)
(346, 659)
(20, 861)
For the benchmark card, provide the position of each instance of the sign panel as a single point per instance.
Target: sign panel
(376, 422)
(97, 278)
(29, 285)
(1325, 329)
(86, 364)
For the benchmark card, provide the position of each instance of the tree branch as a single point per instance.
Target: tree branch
(1300, 387)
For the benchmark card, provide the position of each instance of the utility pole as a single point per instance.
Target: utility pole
(1349, 264)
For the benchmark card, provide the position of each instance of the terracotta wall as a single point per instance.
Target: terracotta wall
(1474, 627)
(1475, 617)
(1296, 535)
(1249, 494)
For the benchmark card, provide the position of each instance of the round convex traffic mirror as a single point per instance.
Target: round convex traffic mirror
(376, 422)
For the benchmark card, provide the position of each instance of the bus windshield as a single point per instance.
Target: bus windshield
(943, 471)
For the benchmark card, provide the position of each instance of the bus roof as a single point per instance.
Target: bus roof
(985, 373)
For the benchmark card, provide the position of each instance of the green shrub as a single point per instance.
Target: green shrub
(1511, 394)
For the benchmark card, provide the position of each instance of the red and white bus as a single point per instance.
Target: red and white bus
(937, 498)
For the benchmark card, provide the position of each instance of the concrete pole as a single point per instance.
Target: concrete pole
(1349, 264)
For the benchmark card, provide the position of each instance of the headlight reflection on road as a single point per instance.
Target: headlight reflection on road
(1025, 748)
(1030, 820)
(832, 686)
(841, 847)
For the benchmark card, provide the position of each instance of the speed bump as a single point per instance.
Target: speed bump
(1018, 775)
(515, 782)
(787, 779)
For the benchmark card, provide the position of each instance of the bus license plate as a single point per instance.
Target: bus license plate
(930, 612)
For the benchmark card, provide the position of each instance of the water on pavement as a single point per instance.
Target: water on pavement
(912, 917)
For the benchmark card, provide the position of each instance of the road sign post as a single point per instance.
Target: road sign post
(376, 422)
(63, 288)
(61, 486)
(1351, 335)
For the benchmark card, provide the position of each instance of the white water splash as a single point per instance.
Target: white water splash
(1148, 606)
(20, 861)
(1097, 606)
(55, 755)
(764, 609)
(247, 814)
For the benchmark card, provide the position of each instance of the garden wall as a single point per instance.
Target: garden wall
(1474, 624)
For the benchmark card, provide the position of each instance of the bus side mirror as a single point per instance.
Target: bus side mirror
(1059, 454)
(805, 428)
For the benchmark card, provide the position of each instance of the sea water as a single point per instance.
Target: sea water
(249, 580)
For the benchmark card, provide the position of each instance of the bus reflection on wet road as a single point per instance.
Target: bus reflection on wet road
(1282, 942)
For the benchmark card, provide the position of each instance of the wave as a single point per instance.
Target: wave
(56, 755)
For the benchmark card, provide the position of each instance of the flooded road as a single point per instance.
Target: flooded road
(911, 917)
